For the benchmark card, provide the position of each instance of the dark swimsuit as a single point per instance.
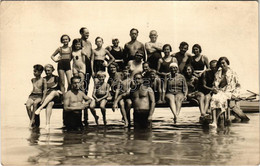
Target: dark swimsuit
(141, 118)
(118, 55)
(153, 59)
(64, 63)
(72, 120)
(197, 65)
(208, 76)
(53, 86)
(98, 66)
(165, 66)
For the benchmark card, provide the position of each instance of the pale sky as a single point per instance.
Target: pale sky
(30, 33)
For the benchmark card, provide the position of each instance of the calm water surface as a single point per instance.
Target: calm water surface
(187, 143)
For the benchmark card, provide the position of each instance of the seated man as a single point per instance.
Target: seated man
(143, 102)
(74, 104)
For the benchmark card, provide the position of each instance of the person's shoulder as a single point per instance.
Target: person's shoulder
(67, 94)
(188, 54)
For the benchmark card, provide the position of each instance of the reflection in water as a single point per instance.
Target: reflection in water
(183, 144)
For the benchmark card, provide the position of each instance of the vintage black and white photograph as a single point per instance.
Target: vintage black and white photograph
(129, 83)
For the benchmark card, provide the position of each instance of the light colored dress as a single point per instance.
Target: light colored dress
(219, 100)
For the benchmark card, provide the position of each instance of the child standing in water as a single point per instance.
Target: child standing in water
(98, 62)
(100, 94)
(38, 93)
(79, 66)
(63, 61)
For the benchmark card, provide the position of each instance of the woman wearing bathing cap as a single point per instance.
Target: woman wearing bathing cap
(163, 69)
(53, 93)
(176, 90)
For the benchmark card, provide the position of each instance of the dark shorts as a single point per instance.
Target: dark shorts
(121, 66)
(141, 119)
(153, 60)
(64, 64)
(98, 66)
(72, 120)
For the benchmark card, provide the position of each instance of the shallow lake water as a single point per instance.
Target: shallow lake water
(186, 143)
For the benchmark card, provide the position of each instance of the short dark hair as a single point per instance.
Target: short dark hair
(75, 77)
(75, 41)
(82, 30)
(167, 45)
(134, 29)
(182, 44)
(113, 64)
(63, 37)
(213, 61)
(98, 38)
(198, 46)
(221, 59)
(185, 70)
(38, 67)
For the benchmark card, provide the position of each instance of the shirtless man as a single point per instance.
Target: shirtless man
(98, 62)
(182, 56)
(74, 102)
(86, 50)
(153, 49)
(143, 102)
(133, 46)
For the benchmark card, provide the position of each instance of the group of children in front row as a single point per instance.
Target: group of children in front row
(50, 89)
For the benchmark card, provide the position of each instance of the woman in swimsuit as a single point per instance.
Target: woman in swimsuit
(176, 90)
(53, 93)
(163, 69)
(63, 61)
(117, 53)
(79, 66)
(199, 62)
(193, 93)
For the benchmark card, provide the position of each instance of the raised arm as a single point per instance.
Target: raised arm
(111, 58)
(54, 54)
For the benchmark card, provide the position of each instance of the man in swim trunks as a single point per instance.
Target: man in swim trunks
(143, 102)
(153, 49)
(206, 86)
(182, 56)
(86, 50)
(132, 47)
(74, 102)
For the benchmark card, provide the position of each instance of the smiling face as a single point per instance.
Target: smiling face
(174, 69)
(85, 34)
(48, 71)
(167, 51)
(189, 71)
(145, 67)
(112, 68)
(65, 40)
(184, 49)
(196, 50)
(78, 46)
